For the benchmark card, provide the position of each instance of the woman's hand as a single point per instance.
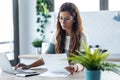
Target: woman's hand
(74, 68)
(22, 66)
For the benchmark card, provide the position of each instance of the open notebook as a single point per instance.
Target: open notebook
(55, 63)
(7, 67)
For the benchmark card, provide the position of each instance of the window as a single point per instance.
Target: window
(114, 5)
(83, 5)
(6, 27)
(9, 29)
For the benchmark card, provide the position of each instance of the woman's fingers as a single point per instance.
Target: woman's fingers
(70, 69)
(21, 66)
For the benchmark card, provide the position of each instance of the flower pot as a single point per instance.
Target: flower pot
(37, 50)
(93, 74)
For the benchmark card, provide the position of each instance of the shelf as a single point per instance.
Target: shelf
(112, 57)
(30, 56)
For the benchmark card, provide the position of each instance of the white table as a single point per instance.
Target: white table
(78, 76)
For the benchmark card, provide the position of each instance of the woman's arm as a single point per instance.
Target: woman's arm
(39, 62)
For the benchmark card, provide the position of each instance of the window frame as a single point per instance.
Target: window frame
(16, 32)
(103, 4)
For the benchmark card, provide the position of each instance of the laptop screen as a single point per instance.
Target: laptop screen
(5, 64)
(7, 67)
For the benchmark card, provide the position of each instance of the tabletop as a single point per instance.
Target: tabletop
(77, 76)
(7, 76)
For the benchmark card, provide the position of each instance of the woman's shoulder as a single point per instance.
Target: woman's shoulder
(83, 37)
(83, 34)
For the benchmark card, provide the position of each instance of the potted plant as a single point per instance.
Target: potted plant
(43, 15)
(94, 62)
(37, 43)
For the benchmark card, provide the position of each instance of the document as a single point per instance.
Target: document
(55, 63)
(54, 74)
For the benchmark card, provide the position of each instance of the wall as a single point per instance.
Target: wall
(100, 28)
(28, 26)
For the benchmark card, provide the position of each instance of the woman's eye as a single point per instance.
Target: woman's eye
(67, 18)
(60, 18)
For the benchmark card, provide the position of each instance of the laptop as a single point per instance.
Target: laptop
(7, 67)
(56, 63)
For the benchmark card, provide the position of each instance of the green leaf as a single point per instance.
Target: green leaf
(38, 30)
(93, 60)
(37, 43)
(42, 11)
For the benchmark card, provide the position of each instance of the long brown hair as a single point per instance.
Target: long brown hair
(75, 32)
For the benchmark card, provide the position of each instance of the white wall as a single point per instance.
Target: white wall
(28, 26)
(100, 28)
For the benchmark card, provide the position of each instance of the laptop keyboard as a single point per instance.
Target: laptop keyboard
(24, 71)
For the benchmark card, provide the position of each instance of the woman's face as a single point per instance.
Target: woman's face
(66, 20)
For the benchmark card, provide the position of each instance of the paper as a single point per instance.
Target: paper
(54, 74)
(56, 62)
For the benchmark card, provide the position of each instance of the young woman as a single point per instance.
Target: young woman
(66, 39)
